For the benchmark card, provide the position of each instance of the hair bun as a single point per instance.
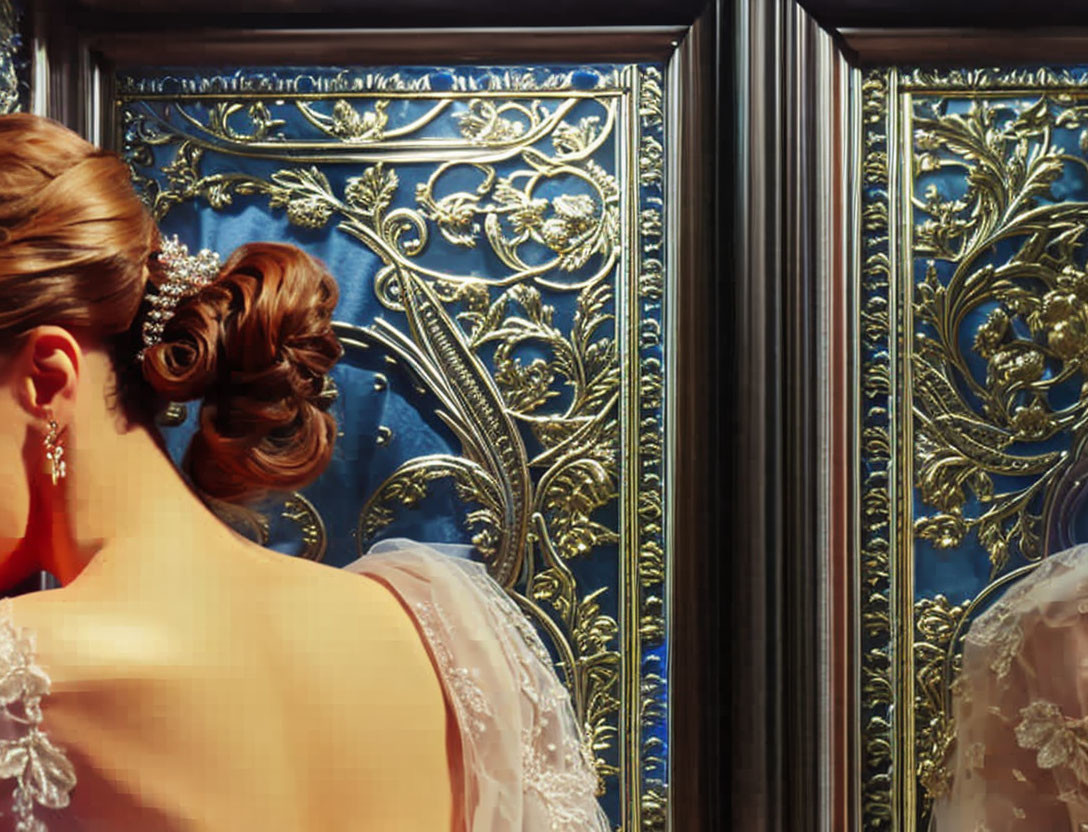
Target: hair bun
(256, 344)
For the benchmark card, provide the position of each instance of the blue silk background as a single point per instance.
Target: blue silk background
(373, 393)
(384, 418)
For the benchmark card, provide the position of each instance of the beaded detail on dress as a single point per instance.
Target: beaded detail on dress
(42, 773)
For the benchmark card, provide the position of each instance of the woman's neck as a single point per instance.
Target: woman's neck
(123, 495)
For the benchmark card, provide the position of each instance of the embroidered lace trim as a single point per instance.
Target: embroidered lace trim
(43, 774)
(559, 771)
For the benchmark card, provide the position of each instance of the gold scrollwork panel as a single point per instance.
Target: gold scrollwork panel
(543, 357)
(972, 327)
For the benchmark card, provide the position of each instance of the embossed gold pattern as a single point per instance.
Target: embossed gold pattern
(554, 226)
(875, 429)
(973, 349)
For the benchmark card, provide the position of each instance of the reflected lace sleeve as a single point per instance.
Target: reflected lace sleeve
(528, 764)
(1020, 760)
(33, 771)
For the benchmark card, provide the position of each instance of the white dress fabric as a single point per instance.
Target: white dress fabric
(1020, 760)
(527, 766)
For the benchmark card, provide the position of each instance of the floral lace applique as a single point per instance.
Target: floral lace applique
(559, 773)
(1059, 740)
(43, 774)
(975, 755)
(999, 630)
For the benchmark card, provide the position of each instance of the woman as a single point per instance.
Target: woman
(182, 677)
(1020, 759)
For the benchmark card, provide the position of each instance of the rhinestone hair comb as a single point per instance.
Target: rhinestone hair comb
(186, 274)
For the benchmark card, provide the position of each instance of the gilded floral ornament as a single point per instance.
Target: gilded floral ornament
(262, 126)
(308, 212)
(985, 388)
(1064, 316)
(945, 531)
(937, 625)
(972, 428)
(351, 125)
(570, 139)
(484, 123)
(372, 192)
(1031, 422)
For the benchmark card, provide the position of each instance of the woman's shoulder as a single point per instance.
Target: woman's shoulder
(528, 753)
(298, 653)
(450, 595)
(272, 602)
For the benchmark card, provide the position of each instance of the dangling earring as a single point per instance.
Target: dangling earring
(54, 451)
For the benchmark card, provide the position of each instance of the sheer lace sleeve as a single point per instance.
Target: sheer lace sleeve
(1021, 708)
(34, 773)
(528, 767)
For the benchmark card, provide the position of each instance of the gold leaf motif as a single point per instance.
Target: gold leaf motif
(372, 192)
(483, 123)
(568, 139)
(351, 125)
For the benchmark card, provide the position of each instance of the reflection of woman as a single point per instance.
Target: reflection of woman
(183, 677)
(1020, 761)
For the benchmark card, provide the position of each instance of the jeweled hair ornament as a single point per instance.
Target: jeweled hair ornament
(186, 274)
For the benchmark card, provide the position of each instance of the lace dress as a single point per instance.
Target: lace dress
(1020, 760)
(527, 766)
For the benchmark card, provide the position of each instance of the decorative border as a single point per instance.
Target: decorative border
(646, 289)
(876, 467)
(991, 78)
(340, 82)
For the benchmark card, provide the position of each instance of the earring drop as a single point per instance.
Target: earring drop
(54, 452)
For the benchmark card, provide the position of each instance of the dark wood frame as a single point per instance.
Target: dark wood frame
(792, 354)
(71, 85)
(791, 632)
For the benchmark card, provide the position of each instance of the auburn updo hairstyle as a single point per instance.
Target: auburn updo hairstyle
(76, 248)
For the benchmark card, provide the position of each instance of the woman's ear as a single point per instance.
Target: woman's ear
(49, 362)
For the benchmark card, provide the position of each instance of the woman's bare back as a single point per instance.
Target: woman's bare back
(249, 691)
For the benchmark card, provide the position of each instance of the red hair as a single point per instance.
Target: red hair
(255, 345)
